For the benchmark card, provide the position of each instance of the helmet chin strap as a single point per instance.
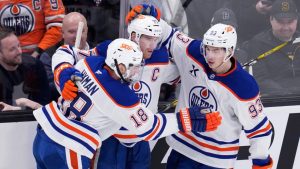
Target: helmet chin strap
(224, 61)
(119, 72)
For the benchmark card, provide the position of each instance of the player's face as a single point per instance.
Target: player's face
(10, 52)
(214, 56)
(147, 45)
(283, 28)
(70, 31)
(133, 73)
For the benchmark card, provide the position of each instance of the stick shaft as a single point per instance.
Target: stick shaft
(78, 35)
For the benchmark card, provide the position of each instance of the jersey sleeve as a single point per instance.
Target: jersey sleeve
(54, 12)
(64, 57)
(64, 54)
(257, 126)
(143, 123)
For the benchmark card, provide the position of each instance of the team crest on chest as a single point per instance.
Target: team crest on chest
(202, 97)
(143, 92)
(18, 17)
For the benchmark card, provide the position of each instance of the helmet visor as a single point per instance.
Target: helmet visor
(134, 73)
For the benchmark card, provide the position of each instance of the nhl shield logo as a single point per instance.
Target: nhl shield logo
(202, 97)
(18, 17)
(143, 92)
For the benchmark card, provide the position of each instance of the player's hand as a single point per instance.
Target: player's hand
(7, 107)
(197, 119)
(143, 9)
(262, 164)
(67, 79)
(24, 102)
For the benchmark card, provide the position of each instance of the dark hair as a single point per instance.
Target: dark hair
(5, 32)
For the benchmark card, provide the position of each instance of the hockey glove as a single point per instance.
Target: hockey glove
(67, 78)
(143, 9)
(196, 120)
(262, 164)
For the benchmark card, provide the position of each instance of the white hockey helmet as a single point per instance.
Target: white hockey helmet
(144, 25)
(221, 35)
(128, 53)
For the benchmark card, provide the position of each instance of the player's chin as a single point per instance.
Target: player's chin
(147, 55)
(211, 64)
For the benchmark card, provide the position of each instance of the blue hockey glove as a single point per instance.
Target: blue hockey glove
(196, 120)
(143, 9)
(66, 76)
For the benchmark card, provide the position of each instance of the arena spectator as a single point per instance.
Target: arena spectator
(36, 23)
(69, 30)
(228, 17)
(16, 69)
(279, 70)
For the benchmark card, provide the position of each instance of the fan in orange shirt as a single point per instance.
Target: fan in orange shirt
(37, 23)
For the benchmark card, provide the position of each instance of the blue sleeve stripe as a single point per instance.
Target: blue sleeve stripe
(149, 131)
(262, 135)
(75, 60)
(214, 140)
(257, 126)
(261, 162)
(123, 128)
(233, 156)
(164, 122)
(65, 133)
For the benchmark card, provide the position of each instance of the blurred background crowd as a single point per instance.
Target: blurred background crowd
(268, 39)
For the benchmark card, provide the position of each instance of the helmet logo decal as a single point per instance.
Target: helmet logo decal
(126, 46)
(229, 29)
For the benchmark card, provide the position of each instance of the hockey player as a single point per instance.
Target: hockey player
(145, 31)
(211, 76)
(71, 131)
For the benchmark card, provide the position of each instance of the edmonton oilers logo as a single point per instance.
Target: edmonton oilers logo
(143, 92)
(17, 17)
(202, 97)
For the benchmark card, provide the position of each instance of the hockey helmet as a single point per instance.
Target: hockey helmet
(221, 35)
(144, 25)
(127, 53)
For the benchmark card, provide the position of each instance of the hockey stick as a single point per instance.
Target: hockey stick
(77, 44)
(164, 106)
(262, 56)
(78, 34)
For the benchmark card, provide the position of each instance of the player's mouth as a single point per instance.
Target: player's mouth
(210, 63)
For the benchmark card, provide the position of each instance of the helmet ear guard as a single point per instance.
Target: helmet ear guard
(222, 36)
(127, 53)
